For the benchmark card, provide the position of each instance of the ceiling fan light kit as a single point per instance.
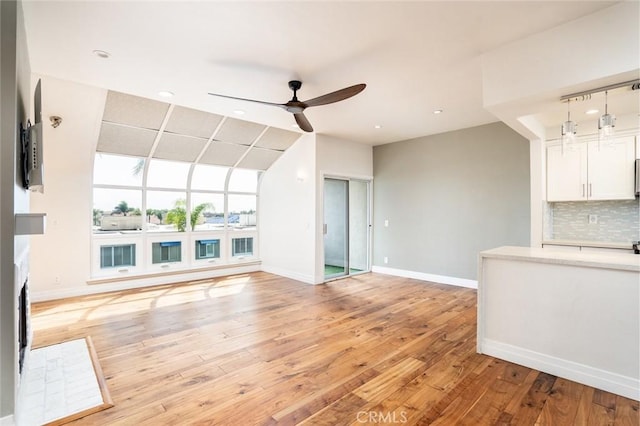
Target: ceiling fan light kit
(297, 107)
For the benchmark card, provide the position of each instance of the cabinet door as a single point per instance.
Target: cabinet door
(611, 170)
(567, 173)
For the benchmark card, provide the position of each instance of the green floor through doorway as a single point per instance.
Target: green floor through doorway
(334, 270)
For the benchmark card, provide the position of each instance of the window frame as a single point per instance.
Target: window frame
(113, 247)
(145, 238)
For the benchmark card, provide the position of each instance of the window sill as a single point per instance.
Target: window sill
(119, 278)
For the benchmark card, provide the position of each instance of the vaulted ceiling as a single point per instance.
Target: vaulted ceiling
(142, 127)
(415, 57)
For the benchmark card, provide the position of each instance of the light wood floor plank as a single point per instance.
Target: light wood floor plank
(259, 349)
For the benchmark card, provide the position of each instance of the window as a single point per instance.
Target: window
(117, 194)
(209, 178)
(167, 174)
(117, 255)
(145, 209)
(242, 246)
(207, 211)
(117, 170)
(166, 251)
(166, 211)
(243, 180)
(207, 249)
(242, 211)
(117, 210)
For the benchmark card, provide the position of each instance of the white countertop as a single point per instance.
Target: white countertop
(590, 243)
(619, 261)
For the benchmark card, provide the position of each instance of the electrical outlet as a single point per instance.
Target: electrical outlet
(57, 280)
(386, 223)
(386, 259)
(593, 219)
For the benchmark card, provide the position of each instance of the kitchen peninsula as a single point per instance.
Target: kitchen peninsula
(575, 315)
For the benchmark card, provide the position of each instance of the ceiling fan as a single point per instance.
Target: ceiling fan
(297, 107)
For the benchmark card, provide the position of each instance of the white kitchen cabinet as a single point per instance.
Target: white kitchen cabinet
(567, 173)
(587, 171)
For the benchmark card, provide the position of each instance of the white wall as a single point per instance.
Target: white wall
(556, 315)
(15, 107)
(339, 157)
(61, 258)
(291, 196)
(286, 212)
(597, 46)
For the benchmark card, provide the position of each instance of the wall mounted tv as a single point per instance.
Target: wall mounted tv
(31, 153)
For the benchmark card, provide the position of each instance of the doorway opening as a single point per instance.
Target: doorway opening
(346, 227)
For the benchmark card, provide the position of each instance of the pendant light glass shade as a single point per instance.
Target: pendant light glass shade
(606, 125)
(568, 130)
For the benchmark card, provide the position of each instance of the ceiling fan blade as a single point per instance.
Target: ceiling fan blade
(336, 96)
(303, 122)
(248, 100)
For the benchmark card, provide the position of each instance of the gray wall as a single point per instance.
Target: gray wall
(448, 197)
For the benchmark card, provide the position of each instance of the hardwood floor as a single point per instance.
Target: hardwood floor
(261, 349)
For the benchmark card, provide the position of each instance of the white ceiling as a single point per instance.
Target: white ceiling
(415, 57)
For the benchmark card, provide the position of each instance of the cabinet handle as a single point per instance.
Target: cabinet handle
(590, 190)
(583, 190)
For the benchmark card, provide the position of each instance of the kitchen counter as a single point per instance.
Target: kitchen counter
(589, 243)
(572, 314)
(620, 261)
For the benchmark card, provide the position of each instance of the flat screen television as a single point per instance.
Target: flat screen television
(32, 149)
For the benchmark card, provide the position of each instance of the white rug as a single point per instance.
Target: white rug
(62, 382)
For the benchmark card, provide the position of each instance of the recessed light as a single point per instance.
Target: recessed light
(377, 126)
(437, 111)
(238, 112)
(592, 111)
(101, 54)
(165, 94)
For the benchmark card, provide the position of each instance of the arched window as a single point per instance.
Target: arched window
(176, 188)
(152, 214)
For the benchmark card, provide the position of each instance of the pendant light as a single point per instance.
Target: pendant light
(568, 129)
(606, 125)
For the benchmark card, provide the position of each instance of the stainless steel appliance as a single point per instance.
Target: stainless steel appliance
(638, 177)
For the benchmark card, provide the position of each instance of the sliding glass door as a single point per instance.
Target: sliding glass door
(346, 227)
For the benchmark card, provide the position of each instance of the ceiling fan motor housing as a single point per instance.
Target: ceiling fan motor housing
(295, 85)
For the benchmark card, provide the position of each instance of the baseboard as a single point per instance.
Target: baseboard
(7, 421)
(308, 279)
(440, 279)
(41, 296)
(585, 374)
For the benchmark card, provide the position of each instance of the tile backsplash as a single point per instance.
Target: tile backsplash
(617, 221)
